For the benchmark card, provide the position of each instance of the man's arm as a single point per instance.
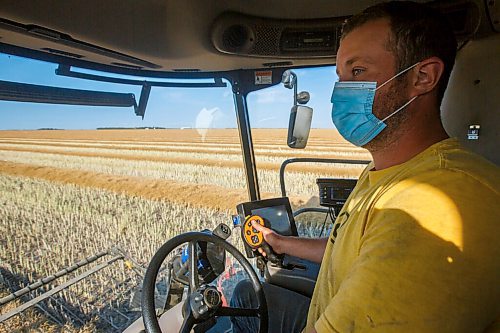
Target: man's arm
(311, 249)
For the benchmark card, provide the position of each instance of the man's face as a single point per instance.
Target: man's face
(363, 55)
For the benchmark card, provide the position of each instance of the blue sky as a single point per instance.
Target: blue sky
(167, 107)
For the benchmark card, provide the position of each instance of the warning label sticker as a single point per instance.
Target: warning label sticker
(263, 77)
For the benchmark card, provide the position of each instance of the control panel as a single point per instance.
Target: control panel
(333, 192)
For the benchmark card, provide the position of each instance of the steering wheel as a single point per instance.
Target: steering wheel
(203, 302)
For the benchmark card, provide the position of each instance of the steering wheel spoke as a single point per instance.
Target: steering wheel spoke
(187, 325)
(193, 269)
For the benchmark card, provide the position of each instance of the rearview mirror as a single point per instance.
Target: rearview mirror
(299, 126)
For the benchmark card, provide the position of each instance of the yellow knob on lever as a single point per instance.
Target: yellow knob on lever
(255, 239)
(252, 236)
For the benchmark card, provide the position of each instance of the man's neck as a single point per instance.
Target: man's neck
(409, 143)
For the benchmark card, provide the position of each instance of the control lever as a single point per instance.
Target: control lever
(222, 231)
(255, 238)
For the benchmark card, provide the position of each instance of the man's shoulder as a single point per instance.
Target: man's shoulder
(445, 180)
(449, 161)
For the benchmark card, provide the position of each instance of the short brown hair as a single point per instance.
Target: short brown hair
(418, 32)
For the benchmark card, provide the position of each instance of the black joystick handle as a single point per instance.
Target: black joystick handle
(270, 253)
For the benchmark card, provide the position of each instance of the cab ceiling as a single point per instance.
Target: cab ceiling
(162, 35)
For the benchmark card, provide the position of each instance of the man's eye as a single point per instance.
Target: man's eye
(356, 71)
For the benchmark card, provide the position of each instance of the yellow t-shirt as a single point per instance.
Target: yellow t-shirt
(415, 249)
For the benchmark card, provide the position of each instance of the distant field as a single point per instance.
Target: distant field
(139, 160)
(66, 195)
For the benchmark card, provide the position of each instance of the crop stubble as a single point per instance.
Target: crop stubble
(179, 159)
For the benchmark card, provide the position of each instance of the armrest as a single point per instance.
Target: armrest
(295, 274)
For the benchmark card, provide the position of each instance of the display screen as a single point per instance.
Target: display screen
(275, 211)
(277, 216)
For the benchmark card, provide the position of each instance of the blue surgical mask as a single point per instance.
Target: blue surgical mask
(352, 109)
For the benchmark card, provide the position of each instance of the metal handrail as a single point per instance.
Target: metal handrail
(310, 209)
(308, 160)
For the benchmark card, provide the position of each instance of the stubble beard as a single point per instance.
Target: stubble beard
(384, 105)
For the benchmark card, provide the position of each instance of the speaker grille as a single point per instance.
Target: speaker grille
(235, 37)
(266, 40)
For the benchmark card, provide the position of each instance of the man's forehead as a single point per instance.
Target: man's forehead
(366, 42)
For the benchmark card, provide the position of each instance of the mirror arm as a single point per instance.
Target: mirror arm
(140, 109)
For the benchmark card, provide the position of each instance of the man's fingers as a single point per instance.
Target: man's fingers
(258, 227)
(261, 251)
(266, 233)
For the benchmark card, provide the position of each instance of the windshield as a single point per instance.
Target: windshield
(80, 181)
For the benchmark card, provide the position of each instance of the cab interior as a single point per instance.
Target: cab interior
(248, 46)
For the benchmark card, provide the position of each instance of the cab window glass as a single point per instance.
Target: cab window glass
(270, 113)
(76, 181)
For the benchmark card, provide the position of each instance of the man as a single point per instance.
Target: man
(415, 248)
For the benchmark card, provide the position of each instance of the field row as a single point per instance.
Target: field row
(260, 136)
(202, 152)
(189, 169)
(330, 151)
(197, 156)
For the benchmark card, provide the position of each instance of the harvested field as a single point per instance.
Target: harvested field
(57, 225)
(181, 156)
(67, 195)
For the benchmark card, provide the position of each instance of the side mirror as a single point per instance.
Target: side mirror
(300, 116)
(299, 126)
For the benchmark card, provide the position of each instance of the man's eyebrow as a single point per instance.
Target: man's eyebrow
(351, 60)
(366, 59)
(348, 63)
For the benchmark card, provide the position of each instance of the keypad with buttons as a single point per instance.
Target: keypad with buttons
(252, 236)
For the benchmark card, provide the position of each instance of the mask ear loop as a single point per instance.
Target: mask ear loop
(395, 76)
(407, 103)
(401, 108)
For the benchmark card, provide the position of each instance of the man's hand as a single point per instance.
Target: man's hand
(272, 238)
(306, 248)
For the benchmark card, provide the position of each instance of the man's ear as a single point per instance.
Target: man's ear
(426, 75)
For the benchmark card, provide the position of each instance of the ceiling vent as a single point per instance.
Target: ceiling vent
(237, 38)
